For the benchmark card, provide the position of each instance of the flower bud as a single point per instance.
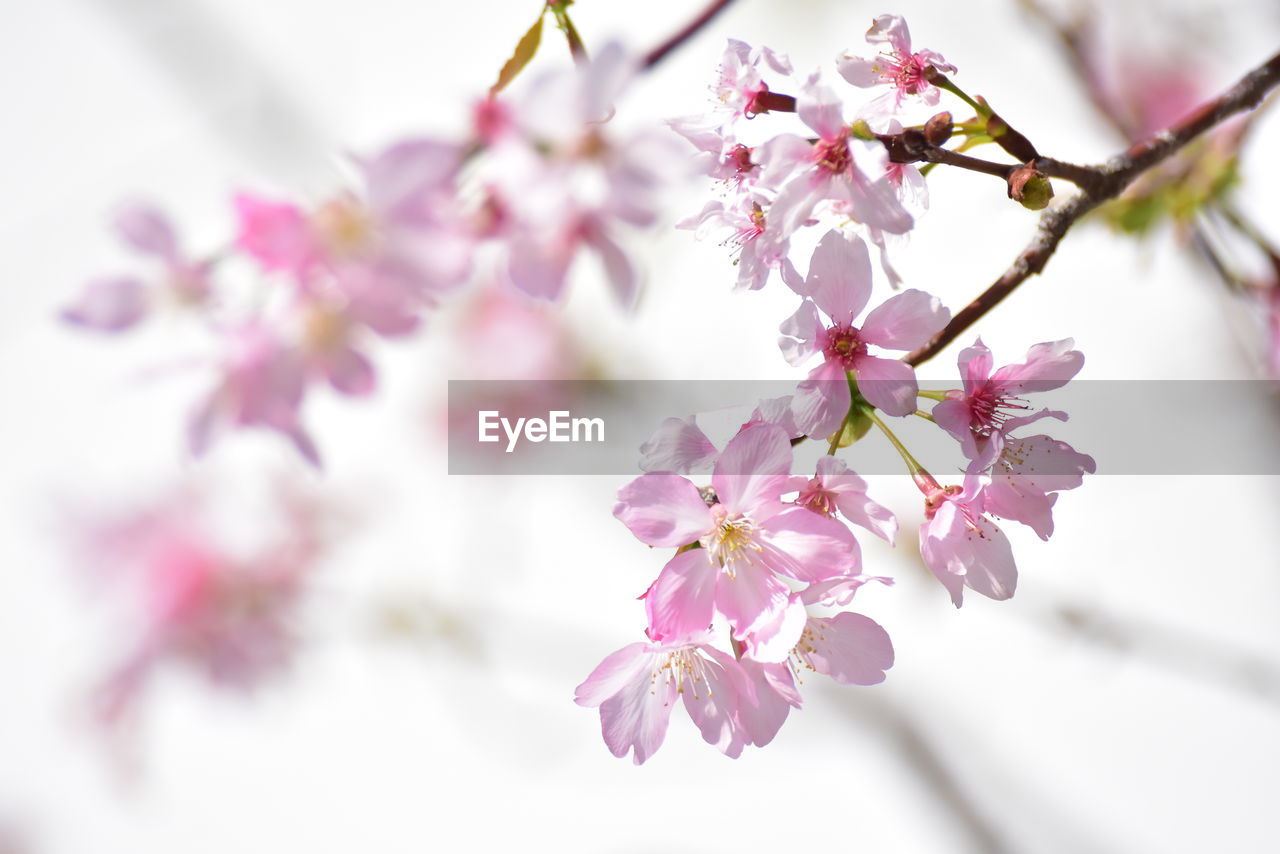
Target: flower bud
(1030, 188)
(938, 129)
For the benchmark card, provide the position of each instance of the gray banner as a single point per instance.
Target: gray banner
(597, 427)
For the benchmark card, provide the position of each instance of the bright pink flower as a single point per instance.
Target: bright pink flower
(907, 73)
(991, 404)
(850, 648)
(961, 545)
(839, 283)
(116, 303)
(837, 167)
(276, 234)
(747, 538)
(637, 686)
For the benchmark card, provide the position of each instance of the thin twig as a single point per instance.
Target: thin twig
(660, 52)
(1102, 184)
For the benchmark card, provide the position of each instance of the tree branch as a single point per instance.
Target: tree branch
(660, 52)
(1100, 184)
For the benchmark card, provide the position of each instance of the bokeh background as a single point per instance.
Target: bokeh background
(1126, 700)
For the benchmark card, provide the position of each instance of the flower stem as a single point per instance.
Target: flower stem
(931, 394)
(912, 464)
(944, 82)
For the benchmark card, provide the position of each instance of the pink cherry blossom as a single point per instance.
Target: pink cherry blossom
(567, 183)
(907, 73)
(261, 384)
(839, 283)
(991, 404)
(195, 603)
(961, 545)
(835, 488)
(746, 538)
(636, 687)
(1027, 475)
(740, 88)
(758, 252)
(850, 648)
(837, 167)
(117, 303)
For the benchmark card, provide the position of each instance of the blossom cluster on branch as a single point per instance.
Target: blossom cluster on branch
(763, 555)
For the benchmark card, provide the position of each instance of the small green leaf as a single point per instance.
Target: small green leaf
(525, 50)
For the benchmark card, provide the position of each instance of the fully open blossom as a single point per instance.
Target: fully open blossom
(567, 183)
(637, 687)
(837, 166)
(746, 538)
(839, 283)
(835, 488)
(116, 303)
(904, 71)
(850, 648)
(746, 229)
(991, 404)
(1027, 475)
(961, 545)
(740, 89)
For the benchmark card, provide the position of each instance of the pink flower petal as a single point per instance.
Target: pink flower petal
(679, 445)
(147, 229)
(808, 547)
(905, 321)
(681, 602)
(888, 384)
(839, 277)
(108, 305)
(850, 648)
(611, 675)
(801, 333)
(822, 401)
(663, 510)
(752, 471)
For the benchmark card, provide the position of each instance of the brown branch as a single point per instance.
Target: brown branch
(1101, 184)
(660, 52)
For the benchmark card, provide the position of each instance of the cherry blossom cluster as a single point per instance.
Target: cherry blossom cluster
(194, 600)
(536, 182)
(766, 561)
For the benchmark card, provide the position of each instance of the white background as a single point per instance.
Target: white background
(1148, 723)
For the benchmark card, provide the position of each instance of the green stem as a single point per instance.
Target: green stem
(944, 82)
(912, 465)
(931, 394)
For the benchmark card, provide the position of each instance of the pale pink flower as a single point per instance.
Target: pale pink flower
(1027, 475)
(961, 545)
(116, 303)
(747, 226)
(836, 167)
(262, 382)
(991, 405)
(834, 487)
(227, 616)
(907, 73)
(850, 648)
(679, 445)
(720, 155)
(839, 283)
(567, 184)
(637, 686)
(740, 88)
(746, 536)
